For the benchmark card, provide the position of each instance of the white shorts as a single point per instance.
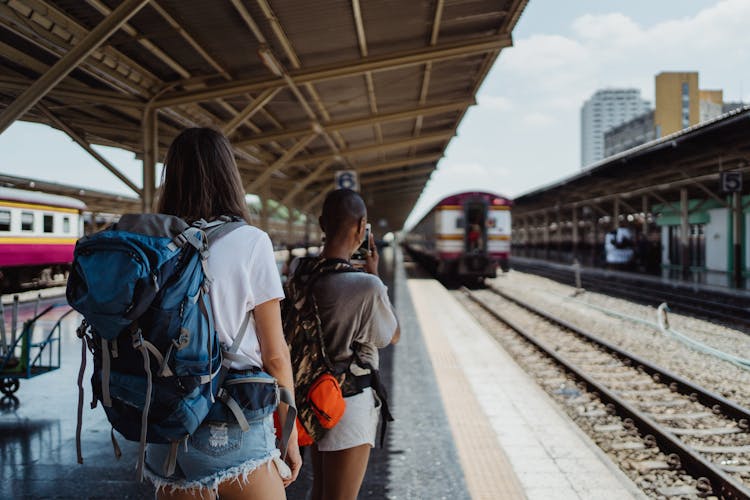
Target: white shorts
(358, 426)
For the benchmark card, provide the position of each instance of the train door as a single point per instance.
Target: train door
(475, 236)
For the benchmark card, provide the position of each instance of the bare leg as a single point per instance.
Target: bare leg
(263, 483)
(343, 472)
(317, 465)
(192, 494)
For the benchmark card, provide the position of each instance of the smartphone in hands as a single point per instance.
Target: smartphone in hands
(360, 254)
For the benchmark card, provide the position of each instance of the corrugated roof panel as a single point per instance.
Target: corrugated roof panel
(220, 30)
(394, 25)
(310, 31)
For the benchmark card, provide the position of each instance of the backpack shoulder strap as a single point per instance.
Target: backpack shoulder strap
(220, 227)
(328, 266)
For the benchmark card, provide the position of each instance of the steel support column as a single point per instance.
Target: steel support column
(595, 248)
(308, 230)
(150, 157)
(737, 239)
(616, 213)
(264, 208)
(684, 232)
(559, 235)
(69, 62)
(574, 219)
(290, 226)
(545, 235)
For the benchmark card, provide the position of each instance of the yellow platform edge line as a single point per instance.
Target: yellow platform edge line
(487, 470)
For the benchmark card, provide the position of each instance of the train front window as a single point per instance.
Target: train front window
(4, 220)
(27, 221)
(49, 223)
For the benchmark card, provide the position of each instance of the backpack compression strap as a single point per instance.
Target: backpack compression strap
(285, 395)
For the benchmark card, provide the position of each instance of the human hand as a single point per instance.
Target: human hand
(372, 258)
(293, 458)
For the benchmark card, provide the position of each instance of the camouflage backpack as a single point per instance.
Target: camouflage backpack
(304, 336)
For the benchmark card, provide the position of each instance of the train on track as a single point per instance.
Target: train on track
(38, 233)
(465, 236)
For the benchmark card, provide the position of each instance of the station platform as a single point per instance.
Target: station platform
(470, 424)
(710, 282)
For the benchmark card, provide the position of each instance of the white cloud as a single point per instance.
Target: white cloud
(612, 29)
(495, 102)
(538, 119)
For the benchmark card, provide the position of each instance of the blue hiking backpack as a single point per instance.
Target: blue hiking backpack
(142, 288)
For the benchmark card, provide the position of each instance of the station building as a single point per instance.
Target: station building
(668, 191)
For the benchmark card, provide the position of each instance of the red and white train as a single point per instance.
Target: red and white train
(38, 233)
(465, 236)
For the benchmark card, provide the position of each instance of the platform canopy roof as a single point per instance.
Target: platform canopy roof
(302, 88)
(654, 173)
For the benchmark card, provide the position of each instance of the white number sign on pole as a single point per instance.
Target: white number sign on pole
(347, 179)
(731, 182)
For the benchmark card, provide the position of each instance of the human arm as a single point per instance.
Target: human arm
(372, 258)
(276, 361)
(382, 328)
(397, 334)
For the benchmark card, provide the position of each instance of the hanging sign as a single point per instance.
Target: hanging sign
(346, 179)
(731, 182)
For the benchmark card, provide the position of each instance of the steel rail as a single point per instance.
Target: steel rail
(721, 483)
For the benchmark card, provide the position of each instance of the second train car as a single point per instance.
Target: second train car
(465, 236)
(38, 232)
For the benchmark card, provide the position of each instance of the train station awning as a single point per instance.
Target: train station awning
(687, 164)
(303, 89)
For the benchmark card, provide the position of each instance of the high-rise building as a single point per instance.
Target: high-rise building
(606, 109)
(711, 104)
(630, 134)
(677, 102)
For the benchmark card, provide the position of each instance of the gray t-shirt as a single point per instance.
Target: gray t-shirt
(354, 308)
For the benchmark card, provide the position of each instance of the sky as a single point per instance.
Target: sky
(524, 132)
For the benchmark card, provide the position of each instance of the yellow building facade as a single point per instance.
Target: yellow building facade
(677, 102)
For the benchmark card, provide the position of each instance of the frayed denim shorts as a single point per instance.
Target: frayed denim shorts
(218, 451)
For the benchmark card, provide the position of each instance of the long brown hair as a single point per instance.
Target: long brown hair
(200, 178)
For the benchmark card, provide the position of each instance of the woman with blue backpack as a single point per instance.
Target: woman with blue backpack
(201, 182)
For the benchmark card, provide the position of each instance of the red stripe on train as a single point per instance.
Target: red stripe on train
(12, 255)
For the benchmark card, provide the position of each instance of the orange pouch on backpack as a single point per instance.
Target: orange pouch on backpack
(303, 438)
(326, 400)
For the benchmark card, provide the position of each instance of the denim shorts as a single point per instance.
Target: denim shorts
(216, 452)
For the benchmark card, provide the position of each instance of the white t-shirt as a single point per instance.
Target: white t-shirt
(244, 273)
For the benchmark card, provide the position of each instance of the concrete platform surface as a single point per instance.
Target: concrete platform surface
(528, 446)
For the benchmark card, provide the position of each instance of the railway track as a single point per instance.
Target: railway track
(665, 424)
(729, 309)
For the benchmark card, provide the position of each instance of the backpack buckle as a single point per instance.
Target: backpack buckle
(137, 339)
(81, 330)
(222, 395)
